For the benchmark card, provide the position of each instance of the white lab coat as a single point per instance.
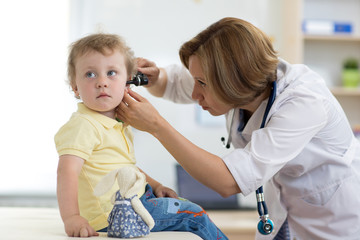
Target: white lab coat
(306, 157)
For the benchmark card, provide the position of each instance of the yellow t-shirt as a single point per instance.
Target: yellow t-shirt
(105, 144)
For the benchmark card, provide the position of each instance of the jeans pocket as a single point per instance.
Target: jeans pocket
(173, 205)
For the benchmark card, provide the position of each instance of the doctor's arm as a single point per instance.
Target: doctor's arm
(207, 168)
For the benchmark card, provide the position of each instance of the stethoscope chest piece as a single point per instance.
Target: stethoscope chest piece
(265, 227)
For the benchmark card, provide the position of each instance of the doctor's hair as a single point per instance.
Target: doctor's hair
(103, 43)
(238, 60)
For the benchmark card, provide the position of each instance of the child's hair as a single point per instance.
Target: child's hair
(104, 44)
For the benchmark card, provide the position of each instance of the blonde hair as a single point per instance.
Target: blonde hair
(104, 44)
(238, 60)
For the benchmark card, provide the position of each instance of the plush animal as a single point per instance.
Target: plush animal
(128, 218)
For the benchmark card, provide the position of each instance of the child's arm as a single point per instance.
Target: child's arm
(69, 168)
(158, 188)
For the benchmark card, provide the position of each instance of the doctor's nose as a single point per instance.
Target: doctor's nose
(196, 94)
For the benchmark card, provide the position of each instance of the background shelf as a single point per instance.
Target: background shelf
(337, 37)
(342, 91)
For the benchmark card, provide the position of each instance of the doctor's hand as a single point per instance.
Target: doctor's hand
(157, 76)
(139, 113)
(148, 68)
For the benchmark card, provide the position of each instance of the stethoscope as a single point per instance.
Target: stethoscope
(265, 225)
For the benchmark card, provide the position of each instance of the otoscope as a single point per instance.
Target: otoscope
(139, 79)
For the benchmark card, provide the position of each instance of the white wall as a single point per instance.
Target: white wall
(37, 101)
(33, 98)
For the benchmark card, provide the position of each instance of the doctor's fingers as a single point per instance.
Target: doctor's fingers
(137, 96)
(143, 63)
(135, 116)
(129, 113)
(127, 99)
(122, 111)
(148, 68)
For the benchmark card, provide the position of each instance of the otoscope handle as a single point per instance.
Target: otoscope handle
(139, 79)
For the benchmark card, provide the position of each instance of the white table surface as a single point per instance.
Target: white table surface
(46, 223)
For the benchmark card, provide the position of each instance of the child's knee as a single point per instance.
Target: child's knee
(192, 209)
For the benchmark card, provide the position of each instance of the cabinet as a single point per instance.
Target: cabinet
(325, 54)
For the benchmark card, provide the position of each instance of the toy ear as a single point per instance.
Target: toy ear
(139, 182)
(106, 183)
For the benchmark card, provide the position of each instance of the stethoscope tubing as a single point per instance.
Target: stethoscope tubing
(259, 192)
(261, 204)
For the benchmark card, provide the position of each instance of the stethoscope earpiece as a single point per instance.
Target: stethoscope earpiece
(227, 145)
(265, 227)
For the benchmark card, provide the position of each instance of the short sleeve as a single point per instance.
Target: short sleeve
(77, 137)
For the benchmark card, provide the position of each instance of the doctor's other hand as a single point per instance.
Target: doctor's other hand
(138, 112)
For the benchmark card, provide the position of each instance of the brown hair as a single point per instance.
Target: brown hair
(102, 43)
(238, 59)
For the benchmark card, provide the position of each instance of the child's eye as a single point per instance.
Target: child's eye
(111, 73)
(90, 75)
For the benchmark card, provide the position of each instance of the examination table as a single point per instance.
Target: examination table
(45, 223)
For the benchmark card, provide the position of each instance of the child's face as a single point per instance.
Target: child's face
(101, 80)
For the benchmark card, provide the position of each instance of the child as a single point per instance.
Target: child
(93, 143)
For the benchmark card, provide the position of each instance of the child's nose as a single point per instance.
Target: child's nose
(102, 82)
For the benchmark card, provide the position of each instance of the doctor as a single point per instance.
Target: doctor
(306, 154)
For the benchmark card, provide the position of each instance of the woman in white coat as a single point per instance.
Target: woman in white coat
(306, 155)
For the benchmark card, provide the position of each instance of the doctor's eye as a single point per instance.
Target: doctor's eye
(202, 84)
(111, 73)
(90, 75)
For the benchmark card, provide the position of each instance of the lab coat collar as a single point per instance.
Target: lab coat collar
(255, 120)
(257, 117)
(240, 137)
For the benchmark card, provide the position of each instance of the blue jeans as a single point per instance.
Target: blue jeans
(172, 214)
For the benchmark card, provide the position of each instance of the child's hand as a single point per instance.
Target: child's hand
(162, 191)
(77, 226)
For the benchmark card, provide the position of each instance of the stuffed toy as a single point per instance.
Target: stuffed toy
(128, 218)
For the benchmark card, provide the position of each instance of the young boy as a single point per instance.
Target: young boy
(93, 143)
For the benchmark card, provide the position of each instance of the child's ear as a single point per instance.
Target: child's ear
(75, 90)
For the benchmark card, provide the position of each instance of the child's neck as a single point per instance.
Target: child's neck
(110, 114)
